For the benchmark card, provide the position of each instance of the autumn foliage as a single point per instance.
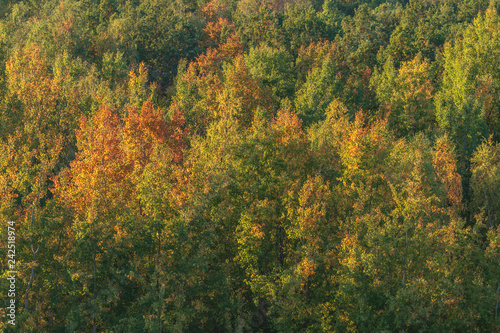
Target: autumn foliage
(251, 166)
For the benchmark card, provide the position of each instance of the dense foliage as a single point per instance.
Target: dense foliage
(251, 165)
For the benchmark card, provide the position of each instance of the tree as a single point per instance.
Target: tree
(406, 95)
(324, 81)
(275, 68)
(362, 37)
(485, 181)
(465, 106)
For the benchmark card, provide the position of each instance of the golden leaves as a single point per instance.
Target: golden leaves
(289, 126)
(444, 162)
(113, 154)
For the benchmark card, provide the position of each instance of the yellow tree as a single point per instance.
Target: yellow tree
(406, 95)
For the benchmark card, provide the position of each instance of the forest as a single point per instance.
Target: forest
(250, 165)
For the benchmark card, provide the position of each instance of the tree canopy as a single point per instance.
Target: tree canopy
(251, 165)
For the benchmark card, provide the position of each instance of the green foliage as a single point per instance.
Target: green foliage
(302, 26)
(485, 181)
(407, 96)
(259, 24)
(425, 26)
(275, 68)
(323, 84)
(467, 105)
(362, 37)
(367, 31)
(163, 36)
(251, 166)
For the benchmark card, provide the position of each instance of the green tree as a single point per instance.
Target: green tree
(275, 68)
(324, 82)
(406, 95)
(485, 181)
(466, 106)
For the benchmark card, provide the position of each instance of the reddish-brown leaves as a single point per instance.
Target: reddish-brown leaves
(113, 153)
(100, 166)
